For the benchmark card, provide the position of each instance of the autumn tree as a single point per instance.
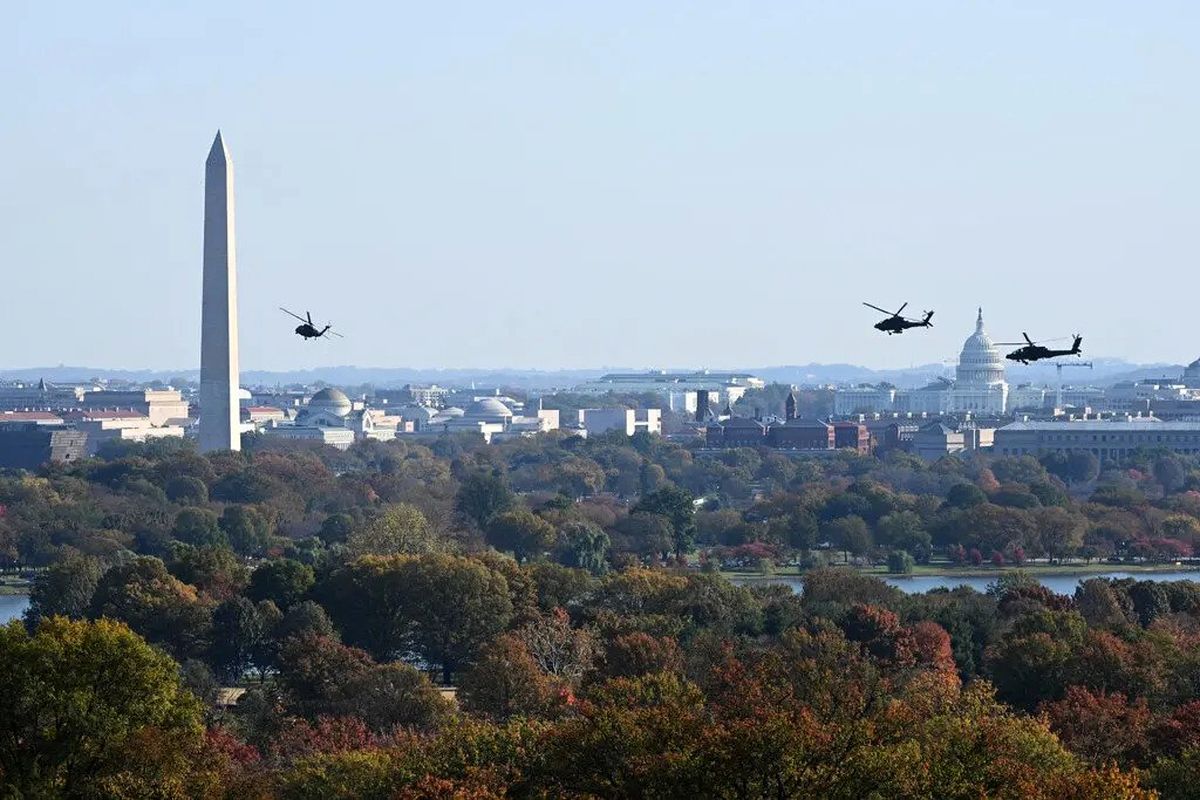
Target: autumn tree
(88, 709)
(396, 529)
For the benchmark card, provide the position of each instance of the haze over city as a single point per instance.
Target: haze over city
(550, 186)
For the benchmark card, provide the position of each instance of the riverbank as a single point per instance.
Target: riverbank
(13, 585)
(948, 571)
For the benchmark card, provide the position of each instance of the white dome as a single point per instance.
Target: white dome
(981, 363)
(334, 401)
(488, 409)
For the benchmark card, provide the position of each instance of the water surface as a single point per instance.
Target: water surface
(12, 606)
(1059, 584)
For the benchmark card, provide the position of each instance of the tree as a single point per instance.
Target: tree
(65, 589)
(483, 494)
(899, 562)
(396, 529)
(965, 495)
(520, 532)
(679, 507)
(336, 528)
(505, 681)
(389, 696)
(282, 581)
(1061, 531)
(198, 527)
(187, 491)
(904, 530)
(87, 709)
(1169, 473)
(639, 653)
(156, 604)
(1102, 728)
(646, 534)
(305, 617)
(246, 528)
(849, 534)
(583, 545)
(454, 605)
(238, 632)
(215, 571)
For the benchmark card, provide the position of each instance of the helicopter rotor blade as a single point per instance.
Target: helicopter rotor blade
(901, 309)
(877, 308)
(309, 315)
(297, 316)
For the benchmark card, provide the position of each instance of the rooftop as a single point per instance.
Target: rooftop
(1104, 426)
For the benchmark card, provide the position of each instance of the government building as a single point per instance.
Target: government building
(978, 387)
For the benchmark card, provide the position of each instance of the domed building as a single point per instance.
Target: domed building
(979, 384)
(332, 401)
(488, 409)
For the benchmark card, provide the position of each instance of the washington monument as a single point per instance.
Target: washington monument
(219, 413)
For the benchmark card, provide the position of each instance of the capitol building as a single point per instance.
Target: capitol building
(978, 387)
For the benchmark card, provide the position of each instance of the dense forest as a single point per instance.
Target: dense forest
(548, 617)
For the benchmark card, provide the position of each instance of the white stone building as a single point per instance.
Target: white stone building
(979, 386)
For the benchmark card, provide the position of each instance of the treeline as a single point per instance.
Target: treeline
(606, 503)
(544, 585)
(643, 682)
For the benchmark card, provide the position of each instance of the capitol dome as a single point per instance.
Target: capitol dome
(980, 363)
(334, 401)
(1193, 370)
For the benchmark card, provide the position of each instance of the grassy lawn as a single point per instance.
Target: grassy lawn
(13, 584)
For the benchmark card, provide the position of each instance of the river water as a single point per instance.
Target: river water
(1059, 584)
(12, 606)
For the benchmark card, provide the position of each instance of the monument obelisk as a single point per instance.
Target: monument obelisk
(219, 414)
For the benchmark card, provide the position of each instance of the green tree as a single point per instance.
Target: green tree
(679, 507)
(247, 529)
(215, 571)
(238, 632)
(583, 545)
(455, 605)
(282, 581)
(483, 494)
(849, 534)
(65, 589)
(187, 491)
(336, 528)
(520, 532)
(89, 710)
(900, 562)
(198, 527)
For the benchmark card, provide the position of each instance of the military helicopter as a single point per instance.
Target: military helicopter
(308, 330)
(1033, 351)
(898, 324)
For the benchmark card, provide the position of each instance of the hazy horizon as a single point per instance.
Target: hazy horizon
(552, 186)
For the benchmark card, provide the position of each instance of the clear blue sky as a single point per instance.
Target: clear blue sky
(568, 184)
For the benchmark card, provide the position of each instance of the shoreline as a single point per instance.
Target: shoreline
(939, 571)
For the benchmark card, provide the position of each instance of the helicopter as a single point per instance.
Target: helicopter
(898, 324)
(1033, 351)
(308, 330)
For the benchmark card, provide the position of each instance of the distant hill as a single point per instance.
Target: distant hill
(1106, 372)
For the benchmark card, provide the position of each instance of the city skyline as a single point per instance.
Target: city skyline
(556, 188)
